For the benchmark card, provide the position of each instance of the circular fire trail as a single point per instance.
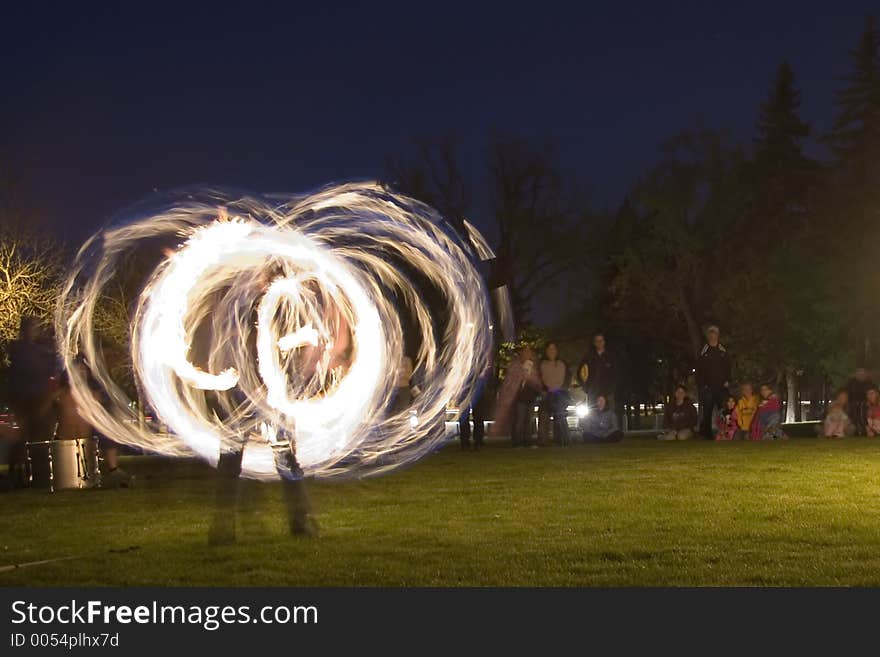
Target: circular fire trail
(241, 321)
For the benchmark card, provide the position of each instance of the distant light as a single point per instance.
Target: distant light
(413, 420)
(582, 410)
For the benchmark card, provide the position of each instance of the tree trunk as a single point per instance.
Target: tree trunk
(791, 395)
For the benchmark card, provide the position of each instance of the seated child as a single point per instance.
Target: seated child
(681, 417)
(837, 423)
(746, 408)
(726, 425)
(873, 411)
(600, 425)
(767, 423)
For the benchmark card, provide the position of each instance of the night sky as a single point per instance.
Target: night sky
(103, 106)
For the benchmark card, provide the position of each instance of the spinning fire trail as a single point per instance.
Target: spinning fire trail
(253, 318)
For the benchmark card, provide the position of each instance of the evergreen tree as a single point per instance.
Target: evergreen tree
(852, 206)
(784, 175)
(855, 139)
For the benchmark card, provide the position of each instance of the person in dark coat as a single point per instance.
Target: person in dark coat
(599, 373)
(713, 379)
(32, 383)
(680, 416)
(857, 388)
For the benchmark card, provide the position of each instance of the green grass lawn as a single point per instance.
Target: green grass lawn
(802, 512)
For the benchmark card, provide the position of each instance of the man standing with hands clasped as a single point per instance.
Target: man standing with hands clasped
(713, 378)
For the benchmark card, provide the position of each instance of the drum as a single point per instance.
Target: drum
(64, 464)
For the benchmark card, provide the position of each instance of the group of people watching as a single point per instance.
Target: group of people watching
(855, 410)
(726, 412)
(547, 385)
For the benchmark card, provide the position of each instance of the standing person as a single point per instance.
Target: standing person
(872, 414)
(681, 417)
(599, 373)
(713, 378)
(477, 410)
(554, 382)
(857, 388)
(31, 391)
(72, 425)
(323, 364)
(601, 425)
(516, 397)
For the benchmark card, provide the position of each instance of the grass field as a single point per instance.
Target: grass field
(802, 512)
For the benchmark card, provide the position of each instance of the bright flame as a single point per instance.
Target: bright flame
(284, 320)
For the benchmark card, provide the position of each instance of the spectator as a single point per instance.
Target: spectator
(746, 408)
(857, 389)
(72, 425)
(482, 397)
(555, 377)
(837, 422)
(726, 425)
(601, 425)
(681, 417)
(713, 378)
(767, 423)
(872, 411)
(599, 373)
(31, 392)
(516, 397)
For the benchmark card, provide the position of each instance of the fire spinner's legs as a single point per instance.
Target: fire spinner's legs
(226, 497)
(293, 486)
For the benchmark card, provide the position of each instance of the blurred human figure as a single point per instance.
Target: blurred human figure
(516, 397)
(767, 423)
(554, 382)
(32, 381)
(872, 411)
(726, 425)
(318, 367)
(601, 425)
(713, 378)
(857, 389)
(599, 373)
(746, 407)
(477, 411)
(72, 425)
(837, 423)
(681, 417)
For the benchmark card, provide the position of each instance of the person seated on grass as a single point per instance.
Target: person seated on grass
(681, 417)
(726, 426)
(600, 425)
(746, 407)
(767, 423)
(872, 411)
(837, 423)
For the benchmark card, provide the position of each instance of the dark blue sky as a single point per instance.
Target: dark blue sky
(104, 105)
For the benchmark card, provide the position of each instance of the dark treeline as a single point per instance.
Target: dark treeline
(777, 246)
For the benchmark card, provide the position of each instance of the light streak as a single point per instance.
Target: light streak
(264, 319)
